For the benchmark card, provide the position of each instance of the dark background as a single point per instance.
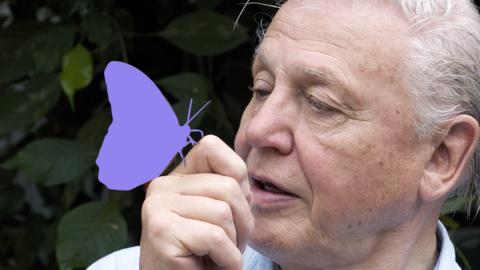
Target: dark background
(53, 212)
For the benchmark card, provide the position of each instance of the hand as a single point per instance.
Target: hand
(198, 217)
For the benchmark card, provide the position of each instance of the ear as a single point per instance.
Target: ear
(455, 147)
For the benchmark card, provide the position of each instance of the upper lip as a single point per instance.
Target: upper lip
(264, 179)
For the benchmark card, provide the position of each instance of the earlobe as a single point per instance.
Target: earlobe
(450, 158)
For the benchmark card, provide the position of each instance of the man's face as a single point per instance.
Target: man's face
(330, 122)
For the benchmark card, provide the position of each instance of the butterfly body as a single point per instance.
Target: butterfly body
(144, 135)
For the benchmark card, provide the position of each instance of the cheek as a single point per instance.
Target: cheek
(355, 182)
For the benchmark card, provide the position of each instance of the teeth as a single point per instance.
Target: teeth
(271, 188)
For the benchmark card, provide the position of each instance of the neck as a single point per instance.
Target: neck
(412, 246)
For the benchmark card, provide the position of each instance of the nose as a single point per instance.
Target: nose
(271, 125)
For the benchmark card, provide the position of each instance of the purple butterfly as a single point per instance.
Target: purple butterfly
(144, 135)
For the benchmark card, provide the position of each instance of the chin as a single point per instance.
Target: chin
(274, 237)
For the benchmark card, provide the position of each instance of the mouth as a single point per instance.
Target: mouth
(268, 195)
(268, 187)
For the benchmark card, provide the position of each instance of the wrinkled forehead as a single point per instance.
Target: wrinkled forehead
(370, 32)
(349, 18)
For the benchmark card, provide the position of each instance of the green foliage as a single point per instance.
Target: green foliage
(88, 231)
(54, 212)
(204, 33)
(53, 161)
(77, 71)
(54, 114)
(26, 102)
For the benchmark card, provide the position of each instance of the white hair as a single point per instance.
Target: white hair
(443, 70)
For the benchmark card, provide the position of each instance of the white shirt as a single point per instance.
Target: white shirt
(128, 259)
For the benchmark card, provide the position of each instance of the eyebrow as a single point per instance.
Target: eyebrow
(319, 75)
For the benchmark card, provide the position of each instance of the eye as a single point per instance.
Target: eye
(259, 93)
(319, 106)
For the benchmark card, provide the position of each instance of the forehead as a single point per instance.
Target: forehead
(357, 42)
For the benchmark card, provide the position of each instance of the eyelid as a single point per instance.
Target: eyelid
(261, 81)
(311, 98)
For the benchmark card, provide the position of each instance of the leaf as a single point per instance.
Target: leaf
(208, 4)
(77, 71)
(33, 48)
(51, 45)
(181, 110)
(16, 46)
(98, 29)
(89, 232)
(204, 33)
(22, 107)
(95, 129)
(186, 85)
(53, 161)
(453, 205)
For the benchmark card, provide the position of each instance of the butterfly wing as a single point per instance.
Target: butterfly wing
(143, 136)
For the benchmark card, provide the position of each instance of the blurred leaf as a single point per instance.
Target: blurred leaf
(77, 71)
(449, 222)
(70, 192)
(52, 161)
(235, 110)
(51, 45)
(98, 29)
(16, 45)
(219, 113)
(89, 232)
(204, 33)
(186, 85)
(20, 108)
(453, 205)
(181, 110)
(94, 130)
(38, 48)
(208, 4)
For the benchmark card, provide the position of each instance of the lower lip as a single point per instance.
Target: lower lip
(268, 199)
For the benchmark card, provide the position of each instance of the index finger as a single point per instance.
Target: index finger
(212, 155)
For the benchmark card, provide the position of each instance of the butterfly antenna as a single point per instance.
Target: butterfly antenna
(195, 115)
(189, 109)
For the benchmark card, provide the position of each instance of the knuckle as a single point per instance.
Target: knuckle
(230, 185)
(225, 213)
(156, 185)
(159, 227)
(218, 237)
(147, 209)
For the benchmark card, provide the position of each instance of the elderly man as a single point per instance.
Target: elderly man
(363, 120)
